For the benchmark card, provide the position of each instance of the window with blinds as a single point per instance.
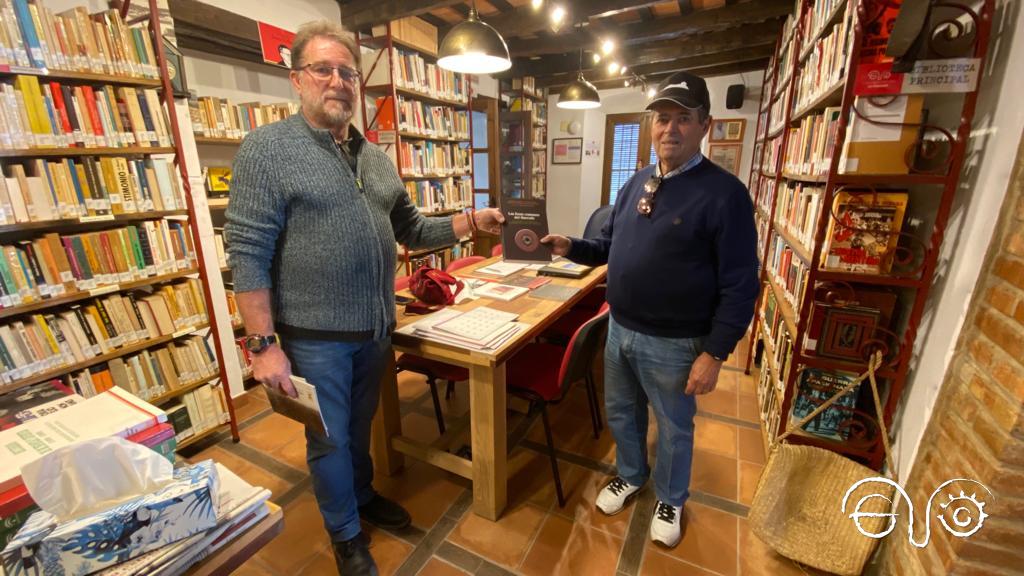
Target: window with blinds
(624, 156)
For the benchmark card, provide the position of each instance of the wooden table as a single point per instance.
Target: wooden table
(487, 399)
(227, 559)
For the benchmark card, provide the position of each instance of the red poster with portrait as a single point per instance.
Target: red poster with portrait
(276, 45)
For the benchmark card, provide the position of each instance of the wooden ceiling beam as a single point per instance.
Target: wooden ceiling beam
(704, 72)
(695, 45)
(657, 29)
(524, 20)
(716, 59)
(362, 14)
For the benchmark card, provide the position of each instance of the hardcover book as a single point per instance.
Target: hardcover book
(864, 231)
(815, 387)
(564, 268)
(526, 222)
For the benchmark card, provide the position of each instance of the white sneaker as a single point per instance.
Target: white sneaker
(614, 495)
(665, 525)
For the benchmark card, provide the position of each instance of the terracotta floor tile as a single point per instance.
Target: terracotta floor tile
(657, 564)
(420, 427)
(504, 542)
(411, 386)
(566, 548)
(757, 559)
(458, 404)
(715, 436)
(302, 539)
(751, 445)
(530, 479)
(245, 470)
(749, 475)
(709, 541)
(388, 552)
(322, 563)
(426, 491)
(294, 454)
(714, 474)
(747, 384)
(272, 433)
(582, 487)
(728, 380)
(254, 567)
(250, 403)
(721, 402)
(748, 408)
(572, 432)
(437, 567)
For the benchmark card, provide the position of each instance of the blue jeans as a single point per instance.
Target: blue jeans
(641, 369)
(347, 379)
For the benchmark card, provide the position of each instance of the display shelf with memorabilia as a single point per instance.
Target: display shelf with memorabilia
(419, 114)
(857, 161)
(523, 138)
(102, 277)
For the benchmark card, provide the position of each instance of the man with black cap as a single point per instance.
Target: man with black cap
(681, 249)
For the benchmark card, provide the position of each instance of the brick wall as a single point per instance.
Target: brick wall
(977, 428)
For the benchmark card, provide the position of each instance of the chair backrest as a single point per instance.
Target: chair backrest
(584, 344)
(497, 251)
(401, 283)
(597, 221)
(463, 262)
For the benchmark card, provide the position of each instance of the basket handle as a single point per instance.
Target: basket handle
(873, 364)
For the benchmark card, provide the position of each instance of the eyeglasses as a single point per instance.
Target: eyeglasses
(324, 72)
(646, 204)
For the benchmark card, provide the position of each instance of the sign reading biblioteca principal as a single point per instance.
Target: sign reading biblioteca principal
(928, 76)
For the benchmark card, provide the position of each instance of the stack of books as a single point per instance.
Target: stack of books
(482, 328)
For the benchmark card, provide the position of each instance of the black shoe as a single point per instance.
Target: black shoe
(353, 557)
(384, 513)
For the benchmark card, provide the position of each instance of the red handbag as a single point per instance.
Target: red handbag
(433, 290)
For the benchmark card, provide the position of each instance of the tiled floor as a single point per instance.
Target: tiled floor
(534, 536)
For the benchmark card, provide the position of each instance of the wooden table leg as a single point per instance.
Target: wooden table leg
(487, 410)
(387, 423)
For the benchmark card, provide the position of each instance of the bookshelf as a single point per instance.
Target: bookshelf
(523, 143)
(853, 185)
(419, 114)
(103, 279)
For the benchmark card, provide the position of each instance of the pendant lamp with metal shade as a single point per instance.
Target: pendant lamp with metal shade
(579, 94)
(474, 47)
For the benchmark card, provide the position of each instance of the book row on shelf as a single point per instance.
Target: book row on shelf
(53, 265)
(415, 117)
(787, 268)
(100, 326)
(40, 190)
(154, 374)
(825, 66)
(428, 158)
(50, 114)
(771, 155)
(528, 84)
(452, 193)
(233, 312)
(797, 210)
(197, 412)
(440, 259)
(222, 253)
(33, 36)
(411, 71)
(809, 146)
(213, 117)
(817, 18)
(777, 114)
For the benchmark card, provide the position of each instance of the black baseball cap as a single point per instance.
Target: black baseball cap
(685, 89)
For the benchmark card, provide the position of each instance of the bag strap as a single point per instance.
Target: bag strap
(442, 278)
(873, 365)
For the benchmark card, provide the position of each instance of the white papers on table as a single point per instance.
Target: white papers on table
(537, 266)
(501, 269)
(479, 329)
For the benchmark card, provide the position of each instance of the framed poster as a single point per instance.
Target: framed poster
(276, 45)
(567, 151)
(727, 130)
(726, 155)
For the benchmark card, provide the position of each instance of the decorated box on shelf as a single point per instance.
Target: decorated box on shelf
(186, 506)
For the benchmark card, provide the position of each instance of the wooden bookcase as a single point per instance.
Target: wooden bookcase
(852, 194)
(523, 143)
(419, 114)
(122, 276)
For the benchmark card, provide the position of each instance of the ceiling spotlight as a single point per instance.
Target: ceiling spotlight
(597, 57)
(536, 4)
(607, 46)
(651, 92)
(557, 16)
(622, 70)
(626, 83)
(613, 67)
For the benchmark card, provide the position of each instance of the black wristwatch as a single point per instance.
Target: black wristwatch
(256, 343)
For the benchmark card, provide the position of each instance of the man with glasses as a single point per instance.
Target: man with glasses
(314, 215)
(681, 249)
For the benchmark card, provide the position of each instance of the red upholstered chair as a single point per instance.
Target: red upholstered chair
(401, 283)
(542, 374)
(463, 262)
(497, 251)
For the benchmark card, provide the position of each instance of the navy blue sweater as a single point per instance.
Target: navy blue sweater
(688, 270)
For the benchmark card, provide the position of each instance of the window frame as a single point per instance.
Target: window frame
(643, 146)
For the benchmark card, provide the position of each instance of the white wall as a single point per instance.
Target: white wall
(997, 129)
(574, 191)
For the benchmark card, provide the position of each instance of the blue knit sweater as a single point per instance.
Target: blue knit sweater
(688, 270)
(321, 238)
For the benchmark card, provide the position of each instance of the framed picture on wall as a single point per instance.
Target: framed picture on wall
(567, 150)
(727, 130)
(727, 156)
